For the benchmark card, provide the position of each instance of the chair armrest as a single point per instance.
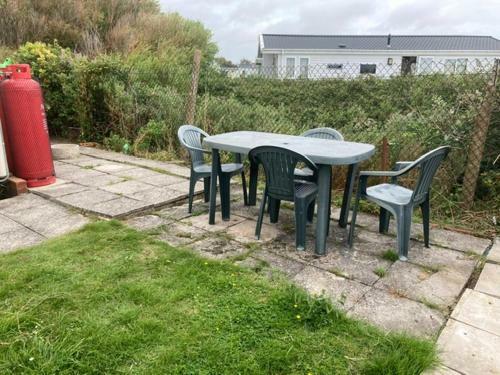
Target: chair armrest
(366, 174)
(401, 165)
(192, 148)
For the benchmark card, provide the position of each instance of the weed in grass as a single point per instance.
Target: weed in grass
(390, 255)
(380, 271)
(109, 299)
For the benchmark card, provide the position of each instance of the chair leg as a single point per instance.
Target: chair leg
(206, 189)
(384, 218)
(244, 183)
(225, 182)
(350, 238)
(274, 209)
(192, 183)
(403, 231)
(310, 211)
(426, 212)
(258, 227)
(300, 224)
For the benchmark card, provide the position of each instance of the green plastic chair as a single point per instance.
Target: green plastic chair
(321, 133)
(305, 173)
(191, 138)
(398, 200)
(279, 167)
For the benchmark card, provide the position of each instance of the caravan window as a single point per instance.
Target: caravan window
(368, 68)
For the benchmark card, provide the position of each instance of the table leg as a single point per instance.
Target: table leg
(346, 200)
(324, 179)
(213, 185)
(252, 189)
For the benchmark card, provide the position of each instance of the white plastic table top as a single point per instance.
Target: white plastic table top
(320, 151)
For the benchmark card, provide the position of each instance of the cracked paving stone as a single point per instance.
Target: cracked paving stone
(218, 248)
(343, 293)
(179, 234)
(146, 222)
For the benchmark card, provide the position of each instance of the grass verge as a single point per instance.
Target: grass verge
(108, 299)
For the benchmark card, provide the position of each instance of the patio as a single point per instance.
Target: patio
(368, 282)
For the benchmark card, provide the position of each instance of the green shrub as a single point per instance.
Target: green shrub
(56, 70)
(115, 143)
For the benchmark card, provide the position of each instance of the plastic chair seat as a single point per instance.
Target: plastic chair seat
(389, 193)
(303, 173)
(305, 189)
(226, 168)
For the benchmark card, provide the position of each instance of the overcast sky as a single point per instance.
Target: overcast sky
(237, 24)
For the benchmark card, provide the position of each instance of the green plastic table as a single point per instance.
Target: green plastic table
(324, 153)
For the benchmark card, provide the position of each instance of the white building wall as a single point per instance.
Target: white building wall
(433, 61)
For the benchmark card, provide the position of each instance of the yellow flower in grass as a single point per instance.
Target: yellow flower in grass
(298, 317)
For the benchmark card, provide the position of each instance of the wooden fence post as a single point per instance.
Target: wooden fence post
(192, 94)
(384, 157)
(478, 139)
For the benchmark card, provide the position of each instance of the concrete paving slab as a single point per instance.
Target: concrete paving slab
(119, 207)
(180, 234)
(201, 221)
(438, 287)
(398, 314)
(8, 225)
(163, 180)
(183, 187)
(288, 266)
(340, 260)
(342, 292)
(86, 200)
(126, 187)
(22, 237)
(147, 222)
(59, 225)
(84, 161)
(181, 211)
(156, 196)
(79, 174)
(440, 237)
(494, 253)
(439, 257)
(136, 173)
(170, 167)
(218, 248)
(479, 310)
(98, 181)
(469, 350)
(38, 215)
(245, 232)
(21, 202)
(176, 169)
(59, 190)
(113, 167)
(458, 241)
(489, 280)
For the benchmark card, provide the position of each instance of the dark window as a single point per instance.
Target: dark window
(334, 66)
(368, 68)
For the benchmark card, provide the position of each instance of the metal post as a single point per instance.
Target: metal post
(478, 139)
(193, 91)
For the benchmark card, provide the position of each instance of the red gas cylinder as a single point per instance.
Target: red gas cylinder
(26, 124)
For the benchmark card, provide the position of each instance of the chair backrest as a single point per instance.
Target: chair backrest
(191, 138)
(323, 133)
(279, 166)
(428, 165)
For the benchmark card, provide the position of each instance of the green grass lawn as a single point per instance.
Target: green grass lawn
(108, 299)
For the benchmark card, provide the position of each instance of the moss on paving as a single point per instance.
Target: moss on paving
(108, 299)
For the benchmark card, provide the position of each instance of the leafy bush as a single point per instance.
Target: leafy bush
(56, 70)
(115, 143)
